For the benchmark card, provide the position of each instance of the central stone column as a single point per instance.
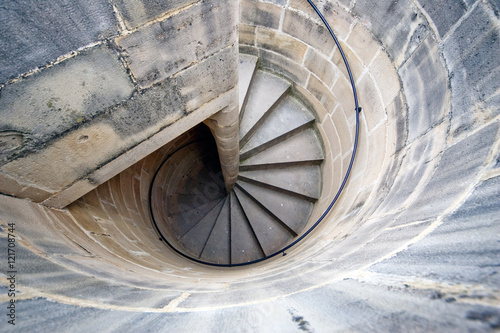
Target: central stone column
(225, 129)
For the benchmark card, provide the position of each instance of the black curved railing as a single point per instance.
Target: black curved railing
(344, 181)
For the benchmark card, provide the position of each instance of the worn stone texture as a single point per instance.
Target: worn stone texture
(246, 34)
(459, 164)
(260, 13)
(219, 73)
(307, 30)
(417, 166)
(283, 66)
(51, 102)
(474, 69)
(75, 154)
(397, 24)
(424, 75)
(463, 249)
(136, 13)
(318, 64)
(444, 16)
(281, 43)
(35, 34)
(161, 49)
(149, 111)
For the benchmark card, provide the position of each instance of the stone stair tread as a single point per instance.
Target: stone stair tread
(181, 222)
(301, 179)
(246, 70)
(302, 147)
(288, 115)
(208, 177)
(180, 203)
(266, 90)
(292, 211)
(210, 188)
(194, 240)
(244, 244)
(272, 235)
(217, 249)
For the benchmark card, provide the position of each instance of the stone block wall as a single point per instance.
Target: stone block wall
(104, 85)
(413, 243)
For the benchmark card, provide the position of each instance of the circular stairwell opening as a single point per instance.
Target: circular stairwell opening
(280, 180)
(333, 118)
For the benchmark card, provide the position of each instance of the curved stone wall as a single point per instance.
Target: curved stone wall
(413, 243)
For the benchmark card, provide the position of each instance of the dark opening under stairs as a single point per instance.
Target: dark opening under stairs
(279, 181)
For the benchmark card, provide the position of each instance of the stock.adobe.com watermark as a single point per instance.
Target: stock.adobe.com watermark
(11, 274)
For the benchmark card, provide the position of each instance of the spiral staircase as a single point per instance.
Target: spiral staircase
(279, 180)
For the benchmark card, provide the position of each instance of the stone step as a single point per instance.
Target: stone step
(195, 239)
(209, 187)
(181, 203)
(271, 234)
(244, 244)
(217, 249)
(290, 210)
(181, 222)
(300, 148)
(289, 117)
(246, 71)
(266, 92)
(304, 180)
(205, 176)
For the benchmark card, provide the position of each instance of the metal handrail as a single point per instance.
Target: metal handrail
(346, 177)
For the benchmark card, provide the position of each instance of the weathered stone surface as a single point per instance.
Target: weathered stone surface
(39, 272)
(308, 31)
(75, 154)
(149, 111)
(264, 95)
(370, 101)
(284, 66)
(396, 116)
(303, 180)
(270, 233)
(463, 249)
(417, 163)
(246, 72)
(259, 13)
(459, 164)
(363, 43)
(425, 77)
(219, 73)
(196, 32)
(474, 67)
(393, 22)
(288, 117)
(290, 151)
(400, 308)
(386, 77)
(444, 16)
(36, 227)
(334, 12)
(355, 64)
(320, 66)
(53, 101)
(34, 34)
(246, 34)
(136, 13)
(283, 44)
(322, 93)
(13, 187)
